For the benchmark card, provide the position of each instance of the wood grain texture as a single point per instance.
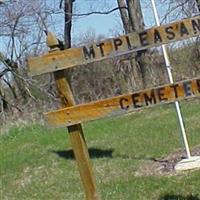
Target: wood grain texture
(152, 37)
(124, 104)
(77, 140)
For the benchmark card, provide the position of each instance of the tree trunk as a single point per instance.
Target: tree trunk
(124, 16)
(12, 89)
(3, 102)
(133, 22)
(20, 84)
(137, 23)
(198, 4)
(68, 22)
(135, 15)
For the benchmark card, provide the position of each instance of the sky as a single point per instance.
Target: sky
(110, 25)
(107, 25)
(102, 24)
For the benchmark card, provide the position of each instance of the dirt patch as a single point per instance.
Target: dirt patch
(164, 166)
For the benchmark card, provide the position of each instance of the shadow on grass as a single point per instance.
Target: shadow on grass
(101, 153)
(178, 197)
(94, 153)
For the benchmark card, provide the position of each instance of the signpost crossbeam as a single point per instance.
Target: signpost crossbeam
(132, 42)
(124, 104)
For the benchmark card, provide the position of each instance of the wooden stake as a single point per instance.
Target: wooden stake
(77, 140)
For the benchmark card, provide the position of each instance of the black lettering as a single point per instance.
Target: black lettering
(89, 53)
(183, 29)
(144, 38)
(196, 25)
(128, 43)
(174, 87)
(198, 84)
(161, 94)
(117, 42)
(157, 36)
(150, 99)
(124, 103)
(170, 34)
(100, 45)
(135, 100)
(187, 88)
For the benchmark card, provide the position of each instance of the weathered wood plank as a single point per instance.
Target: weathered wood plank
(152, 37)
(124, 104)
(77, 140)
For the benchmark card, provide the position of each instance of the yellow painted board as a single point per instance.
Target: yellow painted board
(152, 37)
(124, 104)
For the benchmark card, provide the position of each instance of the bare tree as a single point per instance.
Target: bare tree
(132, 19)
(22, 25)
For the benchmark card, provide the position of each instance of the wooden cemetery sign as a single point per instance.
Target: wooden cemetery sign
(123, 104)
(72, 115)
(152, 37)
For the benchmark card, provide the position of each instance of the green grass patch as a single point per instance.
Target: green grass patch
(36, 162)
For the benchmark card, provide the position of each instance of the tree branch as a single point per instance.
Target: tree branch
(99, 12)
(91, 13)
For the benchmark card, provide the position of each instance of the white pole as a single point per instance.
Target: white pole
(168, 66)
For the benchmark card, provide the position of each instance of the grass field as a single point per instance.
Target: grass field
(37, 163)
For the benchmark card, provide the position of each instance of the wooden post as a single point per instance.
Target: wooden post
(75, 132)
(77, 140)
